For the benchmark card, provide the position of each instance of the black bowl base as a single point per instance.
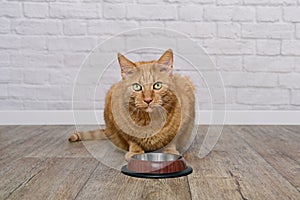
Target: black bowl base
(185, 172)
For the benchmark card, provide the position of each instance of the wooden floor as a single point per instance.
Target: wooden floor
(249, 162)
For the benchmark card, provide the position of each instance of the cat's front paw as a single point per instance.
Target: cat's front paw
(74, 137)
(171, 151)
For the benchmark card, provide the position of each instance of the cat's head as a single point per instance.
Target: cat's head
(148, 82)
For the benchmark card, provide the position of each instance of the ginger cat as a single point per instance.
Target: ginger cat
(149, 109)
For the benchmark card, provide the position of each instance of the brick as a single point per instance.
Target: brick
(83, 92)
(268, 47)
(229, 47)
(11, 104)
(71, 44)
(4, 26)
(188, 28)
(229, 30)
(268, 64)
(4, 58)
(59, 105)
(291, 14)
(200, 1)
(297, 64)
(40, 0)
(290, 47)
(215, 13)
(35, 60)
(243, 14)
(295, 97)
(10, 75)
(297, 31)
(9, 42)
(36, 10)
(21, 92)
(73, 60)
(246, 79)
(62, 77)
(33, 43)
(72, 10)
(290, 80)
(74, 27)
(115, 1)
(216, 96)
(35, 105)
(151, 24)
(10, 9)
(267, 30)
(268, 14)
(256, 2)
(114, 45)
(229, 2)
(3, 91)
(37, 27)
(287, 107)
(190, 12)
(114, 11)
(150, 28)
(158, 12)
(53, 92)
(193, 58)
(229, 13)
(149, 1)
(263, 96)
(83, 105)
(110, 27)
(283, 2)
(229, 63)
(141, 42)
(40, 77)
(194, 29)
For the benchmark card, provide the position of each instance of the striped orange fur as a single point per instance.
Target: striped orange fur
(150, 85)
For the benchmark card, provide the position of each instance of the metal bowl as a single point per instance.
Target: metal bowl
(156, 163)
(157, 157)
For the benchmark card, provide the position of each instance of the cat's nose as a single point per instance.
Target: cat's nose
(148, 100)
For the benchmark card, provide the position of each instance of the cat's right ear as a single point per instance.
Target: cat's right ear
(126, 65)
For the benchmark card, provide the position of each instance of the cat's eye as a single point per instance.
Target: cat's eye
(136, 87)
(157, 86)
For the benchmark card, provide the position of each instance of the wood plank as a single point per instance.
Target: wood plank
(295, 129)
(56, 178)
(20, 134)
(57, 145)
(13, 175)
(108, 183)
(233, 170)
(5, 128)
(278, 147)
(17, 134)
(22, 148)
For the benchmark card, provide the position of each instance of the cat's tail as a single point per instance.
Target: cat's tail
(88, 135)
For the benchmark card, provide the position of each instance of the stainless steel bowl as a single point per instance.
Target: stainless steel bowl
(156, 165)
(157, 157)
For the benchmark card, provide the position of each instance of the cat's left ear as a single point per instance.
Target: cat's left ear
(167, 60)
(126, 65)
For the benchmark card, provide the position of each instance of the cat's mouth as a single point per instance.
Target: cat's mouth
(149, 109)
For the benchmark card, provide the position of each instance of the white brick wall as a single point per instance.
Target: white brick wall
(255, 45)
